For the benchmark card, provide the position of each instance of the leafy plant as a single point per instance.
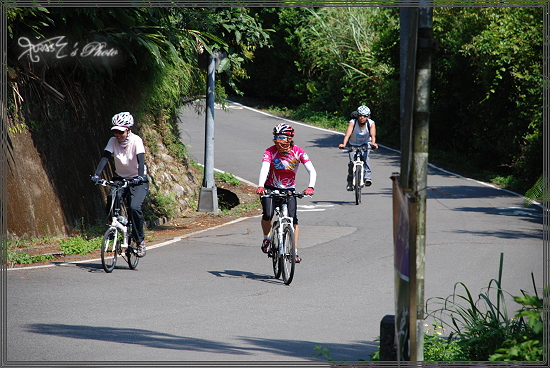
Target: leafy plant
(527, 345)
(162, 205)
(325, 353)
(79, 245)
(538, 192)
(227, 178)
(481, 326)
(26, 258)
(438, 348)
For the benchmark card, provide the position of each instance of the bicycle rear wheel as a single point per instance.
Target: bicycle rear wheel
(358, 185)
(109, 249)
(275, 252)
(289, 256)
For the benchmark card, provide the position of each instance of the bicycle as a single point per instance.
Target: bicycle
(283, 249)
(117, 240)
(358, 180)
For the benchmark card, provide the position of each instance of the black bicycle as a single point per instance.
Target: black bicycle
(118, 240)
(283, 249)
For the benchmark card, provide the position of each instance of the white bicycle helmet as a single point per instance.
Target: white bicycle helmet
(363, 110)
(122, 121)
(284, 129)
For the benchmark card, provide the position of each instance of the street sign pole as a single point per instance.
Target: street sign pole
(208, 196)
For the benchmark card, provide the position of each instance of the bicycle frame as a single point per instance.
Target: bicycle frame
(358, 162)
(282, 231)
(118, 237)
(283, 218)
(118, 222)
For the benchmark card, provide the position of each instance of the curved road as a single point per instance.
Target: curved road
(211, 297)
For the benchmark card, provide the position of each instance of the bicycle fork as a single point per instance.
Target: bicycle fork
(123, 229)
(285, 221)
(358, 165)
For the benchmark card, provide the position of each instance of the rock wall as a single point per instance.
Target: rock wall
(54, 143)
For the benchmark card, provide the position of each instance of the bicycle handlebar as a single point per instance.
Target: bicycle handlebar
(359, 148)
(106, 183)
(287, 193)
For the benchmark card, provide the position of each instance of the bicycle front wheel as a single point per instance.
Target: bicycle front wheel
(358, 185)
(275, 252)
(131, 257)
(109, 248)
(289, 256)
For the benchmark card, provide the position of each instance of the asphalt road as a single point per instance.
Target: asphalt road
(210, 296)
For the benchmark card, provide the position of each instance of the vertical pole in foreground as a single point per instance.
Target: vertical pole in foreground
(420, 160)
(208, 197)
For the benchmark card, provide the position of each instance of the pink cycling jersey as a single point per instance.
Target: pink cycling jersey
(283, 166)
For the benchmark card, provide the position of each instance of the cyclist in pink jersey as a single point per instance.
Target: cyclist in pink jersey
(279, 167)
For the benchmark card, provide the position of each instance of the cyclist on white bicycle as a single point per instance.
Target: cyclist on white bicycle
(278, 172)
(361, 131)
(129, 156)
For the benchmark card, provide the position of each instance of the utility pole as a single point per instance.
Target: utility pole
(410, 194)
(208, 196)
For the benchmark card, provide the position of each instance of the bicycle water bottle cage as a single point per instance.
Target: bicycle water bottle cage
(123, 220)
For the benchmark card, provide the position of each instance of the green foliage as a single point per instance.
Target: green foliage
(487, 81)
(502, 95)
(227, 178)
(325, 353)
(482, 326)
(162, 205)
(304, 113)
(26, 258)
(539, 191)
(28, 20)
(437, 348)
(526, 345)
(79, 245)
(341, 51)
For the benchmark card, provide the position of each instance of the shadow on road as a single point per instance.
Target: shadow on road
(97, 267)
(158, 340)
(246, 275)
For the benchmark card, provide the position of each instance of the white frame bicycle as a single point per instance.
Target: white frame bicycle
(117, 240)
(282, 233)
(358, 180)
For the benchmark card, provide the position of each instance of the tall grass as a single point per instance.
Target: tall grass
(481, 325)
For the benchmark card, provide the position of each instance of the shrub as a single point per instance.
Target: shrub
(482, 326)
(79, 245)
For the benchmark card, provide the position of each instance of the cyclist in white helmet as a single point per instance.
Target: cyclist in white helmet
(361, 131)
(279, 166)
(129, 155)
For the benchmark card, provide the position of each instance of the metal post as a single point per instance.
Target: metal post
(208, 197)
(408, 44)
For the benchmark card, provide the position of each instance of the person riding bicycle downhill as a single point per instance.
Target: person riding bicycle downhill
(361, 130)
(129, 156)
(278, 172)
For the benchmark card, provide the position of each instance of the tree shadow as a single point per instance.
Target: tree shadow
(531, 214)
(505, 234)
(359, 350)
(246, 275)
(159, 340)
(134, 336)
(325, 140)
